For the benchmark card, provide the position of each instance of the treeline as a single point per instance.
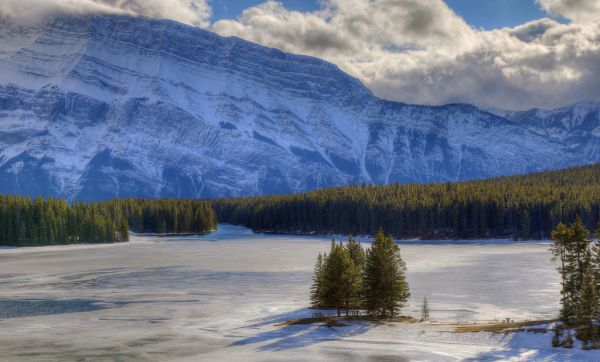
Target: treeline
(579, 267)
(521, 207)
(28, 222)
(166, 216)
(352, 277)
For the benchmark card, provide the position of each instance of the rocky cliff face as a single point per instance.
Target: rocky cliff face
(94, 107)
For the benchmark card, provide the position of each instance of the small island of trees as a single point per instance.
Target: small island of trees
(350, 277)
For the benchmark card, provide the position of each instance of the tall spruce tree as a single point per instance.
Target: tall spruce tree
(595, 258)
(385, 286)
(316, 290)
(336, 277)
(561, 236)
(358, 256)
(587, 306)
(572, 246)
(356, 251)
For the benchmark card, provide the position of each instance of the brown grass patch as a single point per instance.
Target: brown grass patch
(502, 327)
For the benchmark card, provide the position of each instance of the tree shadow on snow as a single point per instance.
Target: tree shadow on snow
(284, 317)
(300, 335)
(524, 346)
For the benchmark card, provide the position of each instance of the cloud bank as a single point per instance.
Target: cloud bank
(192, 12)
(414, 51)
(583, 11)
(420, 51)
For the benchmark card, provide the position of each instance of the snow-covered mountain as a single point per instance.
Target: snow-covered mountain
(93, 107)
(577, 126)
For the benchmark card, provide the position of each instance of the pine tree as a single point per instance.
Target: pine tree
(358, 256)
(425, 310)
(561, 236)
(124, 230)
(356, 251)
(587, 309)
(352, 282)
(336, 277)
(572, 246)
(316, 290)
(385, 286)
(596, 258)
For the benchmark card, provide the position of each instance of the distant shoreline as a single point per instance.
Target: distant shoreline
(418, 241)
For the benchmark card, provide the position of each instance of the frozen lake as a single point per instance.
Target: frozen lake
(219, 296)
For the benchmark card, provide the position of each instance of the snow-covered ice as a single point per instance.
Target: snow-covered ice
(219, 297)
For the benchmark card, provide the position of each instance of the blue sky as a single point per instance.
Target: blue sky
(229, 9)
(486, 14)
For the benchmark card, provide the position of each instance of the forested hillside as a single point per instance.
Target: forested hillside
(521, 207)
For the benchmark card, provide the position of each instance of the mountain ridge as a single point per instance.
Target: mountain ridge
(95, 107)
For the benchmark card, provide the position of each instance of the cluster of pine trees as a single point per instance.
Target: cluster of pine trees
(579, 268)
(28, 222)
(521, 207)
(166, 216)
(351, 277)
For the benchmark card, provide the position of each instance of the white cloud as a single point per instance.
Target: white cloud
(192, 12)
(414, 51)
(420, 51)
(581, 11)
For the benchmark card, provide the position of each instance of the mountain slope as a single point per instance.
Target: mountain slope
(94, 107)
(576, 125)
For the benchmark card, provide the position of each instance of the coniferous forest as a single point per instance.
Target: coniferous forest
(521, 207)
(28, 222)
(166, 216)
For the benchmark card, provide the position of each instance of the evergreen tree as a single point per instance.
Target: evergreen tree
(358, 256)
(316, 290)
(572, 246)
(595, 256)
(561, 236)
(336, 277)
(425, 310)
(352, 282)
(587, 309)
(336, 280)
(124, 230)
(385, 286)
(356, 251)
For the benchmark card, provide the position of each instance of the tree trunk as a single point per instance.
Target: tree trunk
(347, 305)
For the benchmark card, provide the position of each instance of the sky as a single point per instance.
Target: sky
(508, 54)
(487, 14)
